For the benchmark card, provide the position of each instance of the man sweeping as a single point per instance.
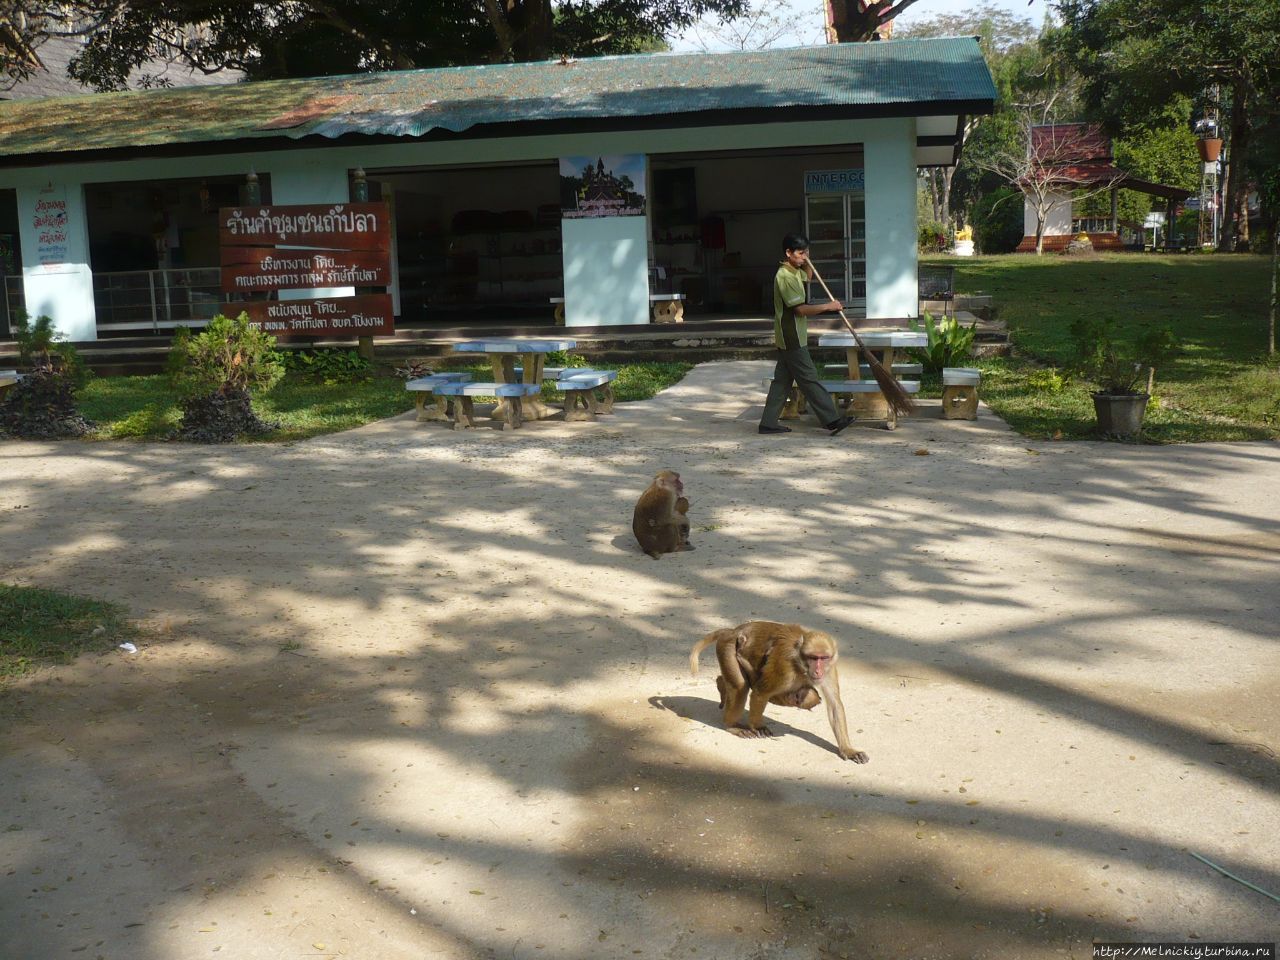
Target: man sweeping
(791, 334)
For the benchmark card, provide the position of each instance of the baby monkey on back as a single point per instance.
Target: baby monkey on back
(781, 663)
(659, 521)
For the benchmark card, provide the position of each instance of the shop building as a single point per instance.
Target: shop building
(601, 181)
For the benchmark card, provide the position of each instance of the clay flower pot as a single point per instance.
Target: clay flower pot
(1209, 149)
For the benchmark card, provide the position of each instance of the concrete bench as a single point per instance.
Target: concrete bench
(855, 386)
(579, 388)
(795, 405)
(960, 393)
(864, 370)
(424, 386)
(464, 412)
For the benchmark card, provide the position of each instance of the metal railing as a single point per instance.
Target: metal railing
(15, 300)
(156, 299)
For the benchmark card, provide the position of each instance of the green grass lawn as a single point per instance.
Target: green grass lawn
(1221, 386)
(145, 408)
(44, 626)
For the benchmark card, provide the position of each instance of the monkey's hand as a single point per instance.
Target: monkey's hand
(751, 733)
(857, 756)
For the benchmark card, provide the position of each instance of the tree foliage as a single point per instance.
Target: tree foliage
(1010, 45)
(1134, 55)
(269, 39)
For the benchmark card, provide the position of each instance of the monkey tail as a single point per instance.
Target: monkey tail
(698, 647)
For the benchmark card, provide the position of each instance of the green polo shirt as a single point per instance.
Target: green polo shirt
(790, 329)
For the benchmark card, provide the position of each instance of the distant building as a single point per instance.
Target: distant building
(1082, 156)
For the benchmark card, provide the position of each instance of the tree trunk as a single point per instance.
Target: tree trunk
(947, 174)
(1242, 221)
(856, 21)
(1039, 234)
(1237, 153)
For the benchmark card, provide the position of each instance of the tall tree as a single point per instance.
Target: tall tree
(1133, 54)
(1008, 43)
(856, 21)
(289, 38)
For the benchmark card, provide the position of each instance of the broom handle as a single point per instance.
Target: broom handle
(817, 276)
(897, 398)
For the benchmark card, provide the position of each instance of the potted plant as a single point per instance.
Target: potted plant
(1117, 368)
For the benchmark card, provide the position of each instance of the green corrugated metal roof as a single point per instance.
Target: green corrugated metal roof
(886, 78)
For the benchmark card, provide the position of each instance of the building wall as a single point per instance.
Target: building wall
(1056, 224)
(315, 175)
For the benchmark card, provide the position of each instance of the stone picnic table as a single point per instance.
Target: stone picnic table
(884, 344)
(502, 354)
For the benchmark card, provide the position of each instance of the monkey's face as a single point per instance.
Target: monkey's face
(817, 652)
(671, 480)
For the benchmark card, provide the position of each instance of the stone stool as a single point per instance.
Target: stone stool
(960, 393)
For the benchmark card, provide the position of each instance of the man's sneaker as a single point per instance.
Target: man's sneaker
(835, 426)
(778, 429)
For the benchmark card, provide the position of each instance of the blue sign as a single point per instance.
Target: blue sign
(835, 181)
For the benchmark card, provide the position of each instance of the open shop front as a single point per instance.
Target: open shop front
(484, 243)
(153, 250)
(718, 219)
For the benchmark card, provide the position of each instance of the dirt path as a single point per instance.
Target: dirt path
(415, 694)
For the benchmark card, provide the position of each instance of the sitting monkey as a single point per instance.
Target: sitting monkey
(659, 522)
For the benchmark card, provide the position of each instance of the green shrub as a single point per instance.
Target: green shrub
(40, 345)
(228, 356)
(998, 221)
(933, 237)
(949, 343)
(329, 366)
(215, 373)
(1117, 367)
(563, 358)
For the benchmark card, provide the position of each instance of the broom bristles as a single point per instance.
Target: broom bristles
(894, 393)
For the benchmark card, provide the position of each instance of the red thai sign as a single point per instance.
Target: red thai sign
(362, 316)
(247, 269)
(334, 226)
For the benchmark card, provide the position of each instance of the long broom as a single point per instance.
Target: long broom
(894, 394)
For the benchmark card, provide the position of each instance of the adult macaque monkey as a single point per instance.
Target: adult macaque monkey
(659, 520)
(806, 698)
(775, 663)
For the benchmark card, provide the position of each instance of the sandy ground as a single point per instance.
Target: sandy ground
(411, 693)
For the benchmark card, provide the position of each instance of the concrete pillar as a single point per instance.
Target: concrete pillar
(56, 279)
(890, 162)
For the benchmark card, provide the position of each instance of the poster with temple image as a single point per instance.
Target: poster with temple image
(602, 186)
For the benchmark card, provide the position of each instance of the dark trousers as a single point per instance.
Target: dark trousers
(796, 366)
